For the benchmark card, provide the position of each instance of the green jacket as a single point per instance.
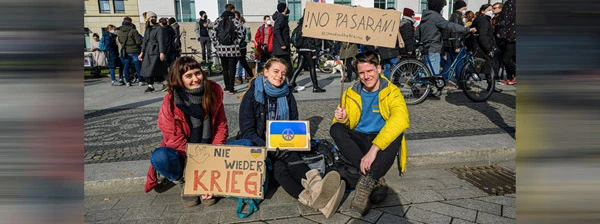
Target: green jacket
(134, 42)
(350, 53)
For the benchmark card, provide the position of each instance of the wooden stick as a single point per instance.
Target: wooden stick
(344, 76)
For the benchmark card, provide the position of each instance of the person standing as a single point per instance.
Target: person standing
(202, 27)
(242, 64)
(112, 55)
(153, 53)
(98, 56)
(177, 42)
(169, 40)
(307, 53)
(506, 34)
(129, 38)
(347, 53)
(264, 41)
(389, 56)
(227, 34)
(281, 39)
(469, 17)
(407, 30)
(452, 47)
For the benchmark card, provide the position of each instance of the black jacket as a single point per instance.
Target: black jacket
(429, 32)
(407, 30)
(169, 37)
(281, 30)
(252, 117)
(456, 17)
(486, 34)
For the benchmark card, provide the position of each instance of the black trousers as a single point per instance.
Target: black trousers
(229, 64)
(290, 66)
(508, 54)
(350, 68)
(244, 63)
(290, 176)
(355, 145)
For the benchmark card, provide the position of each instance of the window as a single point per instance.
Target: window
(86, 39)
(119, 6)
(342, 2)
(104, 6)
(423, 5)
(295, 7)
(236, 3)
(185, 10)
(384, 4)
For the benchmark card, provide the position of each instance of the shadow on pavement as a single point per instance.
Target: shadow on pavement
(315, 121)
(121, 108)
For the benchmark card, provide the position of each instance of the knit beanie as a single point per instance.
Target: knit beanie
(408, 12)
(435, 5)
(150, 14)
(281, 7)
(459, 4)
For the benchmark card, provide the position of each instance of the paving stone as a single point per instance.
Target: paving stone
(510, 212)
(392, 219)
(204, 217)
(346, 201)
(99, 202)
(135, 200)
(296, 220)
(451, 182)
(430, 173)
(449, 210)
(460, 221)
(483, 217)
(104, 215)
(357, 221)
(455, 193)
(422, 196)
(153, 211)
(420, 184)
(335, 218)
(371, 216)
(180, 209)
(166, 220)
(394, 210)
(165, 199)
(305, 210)
(113, 222)
(230, 216)
(477, 205)
(223, 204)
(508, 201)
(279, 211)
(426, 216)
(394, 198)
(511, 195)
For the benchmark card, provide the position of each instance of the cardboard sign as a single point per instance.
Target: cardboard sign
(290, 135)
(225, 170)
(360, 25)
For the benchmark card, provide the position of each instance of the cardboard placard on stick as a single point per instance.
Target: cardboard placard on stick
(290, 135)
(360, 25)
(225, 170)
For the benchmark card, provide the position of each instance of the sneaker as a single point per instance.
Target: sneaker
(299, 88)
(141, 84)
(149, 89)
(113, 83)
(361, 201)
(513, 81)
(506, 82)
(128, 84)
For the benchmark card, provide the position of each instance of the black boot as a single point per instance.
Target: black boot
(313, 78)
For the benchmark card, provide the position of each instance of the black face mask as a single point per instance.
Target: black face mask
(153, 21)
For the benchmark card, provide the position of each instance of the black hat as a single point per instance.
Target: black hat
(281, 7)
(435, 5)
(202, 13)
(459, 4)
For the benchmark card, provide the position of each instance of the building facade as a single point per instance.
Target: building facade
(97, 14)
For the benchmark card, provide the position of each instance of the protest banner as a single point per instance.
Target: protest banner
(225, 170)
(290, 135)
(360, 25)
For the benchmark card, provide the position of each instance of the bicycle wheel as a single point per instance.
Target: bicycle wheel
(477, 80)
(412, 77)
(322, 59)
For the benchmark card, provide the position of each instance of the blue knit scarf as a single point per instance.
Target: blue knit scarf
(262, 86)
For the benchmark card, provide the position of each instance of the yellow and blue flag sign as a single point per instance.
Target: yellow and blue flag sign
(291, 135)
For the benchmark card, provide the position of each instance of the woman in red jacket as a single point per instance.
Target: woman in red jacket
(192, 112)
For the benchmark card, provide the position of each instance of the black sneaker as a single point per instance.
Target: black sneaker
(149, 89)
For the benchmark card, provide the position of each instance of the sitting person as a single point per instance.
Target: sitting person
(368, 127)
(270, 98)
(192, 112)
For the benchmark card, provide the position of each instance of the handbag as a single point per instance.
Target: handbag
(123, 52)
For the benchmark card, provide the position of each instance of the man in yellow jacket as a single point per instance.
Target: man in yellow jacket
(369, 125)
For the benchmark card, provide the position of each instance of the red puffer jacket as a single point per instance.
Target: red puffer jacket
(259, 38)
(174, 126)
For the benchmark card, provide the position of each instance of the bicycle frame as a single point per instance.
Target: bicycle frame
(450, 72)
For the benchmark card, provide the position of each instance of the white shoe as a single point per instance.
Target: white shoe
(299, 88)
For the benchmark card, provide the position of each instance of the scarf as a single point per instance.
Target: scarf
(262, 86)
(190, 102)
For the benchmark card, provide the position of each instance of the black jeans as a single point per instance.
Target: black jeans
(290, 66)
(350, 68)
(229, 72)
(354, 145)
(508, 54)
(206, 47)
(244, 63)
(305, 57)
(290, 177)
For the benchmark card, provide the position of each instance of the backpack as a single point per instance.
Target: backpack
(226, 33)
(297, 39)
(102, 45)
(253, 202)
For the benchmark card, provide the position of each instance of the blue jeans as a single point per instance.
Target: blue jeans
(132, 57)
(435, 62)
(239, 71)
(387, 65)
(450, 56)
(112, 73)
(242, 142)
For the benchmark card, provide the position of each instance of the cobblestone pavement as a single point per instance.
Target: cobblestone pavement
(131, 133)
(425, 195)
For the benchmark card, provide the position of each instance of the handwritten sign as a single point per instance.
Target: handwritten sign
(225, 170)
(360, 25)
(290, 135)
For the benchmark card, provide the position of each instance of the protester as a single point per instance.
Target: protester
(169, 37)
(112, 54)
(281, 39)
(469, 17)
(368, 127)
(202, 27)
(306, 52)
(389, 56)
(228, 53)
(452, 43)
(264, 41)
(153, 53)
(506, 36)
(269, 98)
(177, 41)
(487, 45)
(242, 62)
(347, 52)
(191, 112)
(407, 31)
(130, 40)
(98, 55)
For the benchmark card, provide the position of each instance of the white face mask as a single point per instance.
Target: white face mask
(489, 13)
(463, 11)
(268, 22)
(464, 20)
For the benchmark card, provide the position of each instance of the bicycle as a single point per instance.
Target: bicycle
(415, 79)
(210, 65)
(323, 56)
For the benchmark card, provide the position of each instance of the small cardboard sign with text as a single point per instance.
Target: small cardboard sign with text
(359, 25)
(225, 170)
(290, 135)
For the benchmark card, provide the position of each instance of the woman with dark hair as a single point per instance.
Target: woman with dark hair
(99, 57)
(153, 53)
(191, 112)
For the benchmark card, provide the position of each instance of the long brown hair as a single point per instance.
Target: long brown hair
(174, 80)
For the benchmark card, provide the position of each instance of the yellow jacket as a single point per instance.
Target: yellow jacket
(392, 108)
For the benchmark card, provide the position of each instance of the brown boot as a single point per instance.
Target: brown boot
(361, 201)
(334, 203)
(208, 202)
(189, 201)
(380, 192)
(317, 191)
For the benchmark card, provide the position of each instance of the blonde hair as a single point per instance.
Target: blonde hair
(268, 65)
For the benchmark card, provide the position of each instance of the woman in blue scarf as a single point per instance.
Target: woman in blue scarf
(270, 98)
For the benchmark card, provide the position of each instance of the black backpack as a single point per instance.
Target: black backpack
(297, 39)
(325, 155)
(226, 33)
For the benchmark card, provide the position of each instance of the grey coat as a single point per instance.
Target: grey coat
(152, 46)
(429, 30)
